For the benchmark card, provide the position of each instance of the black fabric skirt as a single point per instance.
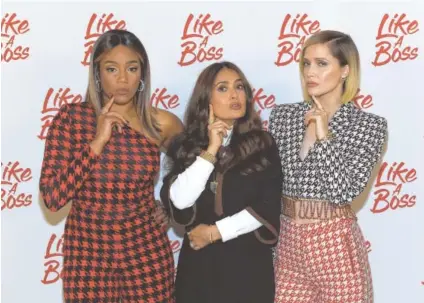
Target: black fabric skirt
(238, 271)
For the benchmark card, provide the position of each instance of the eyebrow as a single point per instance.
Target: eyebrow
(226, 82)
(318, 58)
(128, 62)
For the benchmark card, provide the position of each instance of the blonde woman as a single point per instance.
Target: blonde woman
(328, 148)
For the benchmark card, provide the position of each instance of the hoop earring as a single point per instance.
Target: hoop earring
(98, 85)
(141, 88)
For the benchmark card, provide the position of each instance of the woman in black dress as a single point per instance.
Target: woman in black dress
(224, 186)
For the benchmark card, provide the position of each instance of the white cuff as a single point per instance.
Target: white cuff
(239, 224)
(190, 184)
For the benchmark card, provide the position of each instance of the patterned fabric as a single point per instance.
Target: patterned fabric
(114, 250)
(321, 263)
(335, 170)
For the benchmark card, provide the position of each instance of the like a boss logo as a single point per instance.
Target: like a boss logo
(389, 193)
(392, 39)
(195, 40)
(13, 175)
(11, 29)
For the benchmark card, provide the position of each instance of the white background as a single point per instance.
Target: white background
(250, 39)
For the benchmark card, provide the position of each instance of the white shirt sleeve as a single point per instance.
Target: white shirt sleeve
(236, 225)
(190, 184)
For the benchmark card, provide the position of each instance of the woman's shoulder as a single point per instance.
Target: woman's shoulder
(287, 107)
(266, 148)
(166, 119)
(268, 137)
(264, 139)
(169, 124)
(286, 110)
(260, 133)
(75, 111)
(370, 120)
(282, 113)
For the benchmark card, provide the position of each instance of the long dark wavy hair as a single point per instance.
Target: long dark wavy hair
(105, 43)
(247, 141)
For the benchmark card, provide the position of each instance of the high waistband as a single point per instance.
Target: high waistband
(297, 208)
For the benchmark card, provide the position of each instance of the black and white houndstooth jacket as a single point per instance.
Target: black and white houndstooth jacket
(336, 170)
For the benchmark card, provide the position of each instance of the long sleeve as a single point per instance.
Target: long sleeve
(63, 172)
(346, 174)
(236, 225)
(188, 186)
(195, 178)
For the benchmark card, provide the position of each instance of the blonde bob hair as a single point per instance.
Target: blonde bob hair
(343, 48)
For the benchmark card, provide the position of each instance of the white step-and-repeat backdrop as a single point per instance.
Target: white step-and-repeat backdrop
(44, 60)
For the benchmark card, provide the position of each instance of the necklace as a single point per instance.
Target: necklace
(221, 153)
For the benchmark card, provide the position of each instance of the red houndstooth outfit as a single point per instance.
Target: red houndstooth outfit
(114, 250)
(324, 260)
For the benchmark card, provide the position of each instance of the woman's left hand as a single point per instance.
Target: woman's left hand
(320, 117)
(200, 236)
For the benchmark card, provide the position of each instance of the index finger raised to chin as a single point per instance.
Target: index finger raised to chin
(108, 105)
(317, 103)
(211, 114)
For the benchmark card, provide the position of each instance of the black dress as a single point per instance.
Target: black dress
(239, 270)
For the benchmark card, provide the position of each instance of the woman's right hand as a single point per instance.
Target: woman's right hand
(105, 123)
(217, 130)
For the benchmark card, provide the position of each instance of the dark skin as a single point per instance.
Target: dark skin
(120, 75)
